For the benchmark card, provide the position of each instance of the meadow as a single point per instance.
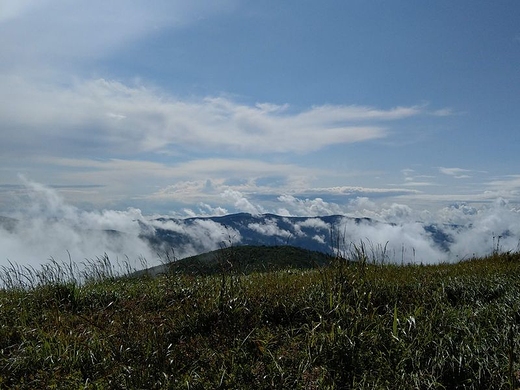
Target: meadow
(338, 324)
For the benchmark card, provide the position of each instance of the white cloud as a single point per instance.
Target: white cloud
(457, 213)
(457, 173)
(269, 228)
(135, 119)
(411, 183)
(165, 187)
(444, 112)
(406, 242)
(50, 110)
(505, 186)
(349, 191)
(314, 223)
(49, 227)
(206, 209)
(309, 207)
(190, 182)
(319, 238)
(202, 235)
(388, 212)
(241, 203)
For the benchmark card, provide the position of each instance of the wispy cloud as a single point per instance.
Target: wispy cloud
(412, 183)
(358, 191)
(269, 228)
(103, 115)
(505, 186)
(195, 169)
(414, 179)
(60, 33)
(187, 184)
(457, 173)
(444, 112)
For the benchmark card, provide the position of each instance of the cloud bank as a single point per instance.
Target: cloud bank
(45, 227)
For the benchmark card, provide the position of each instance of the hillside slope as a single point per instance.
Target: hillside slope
(243, 260)
(347, 326)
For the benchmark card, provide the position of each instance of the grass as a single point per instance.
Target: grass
(348, 325)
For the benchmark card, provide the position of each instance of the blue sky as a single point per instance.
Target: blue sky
(294, 107)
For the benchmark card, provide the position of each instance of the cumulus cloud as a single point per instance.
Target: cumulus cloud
(269, 228)
(457, 214)
(409, 235)
(241, 203)
(46, 227)
(198, 235)
(406, 242)
(310, 207)
(314, 223)
(470, 231)
(486, 224)
(206, 209)
(319, 238)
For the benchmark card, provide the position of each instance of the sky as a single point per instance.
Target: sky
(383, 109)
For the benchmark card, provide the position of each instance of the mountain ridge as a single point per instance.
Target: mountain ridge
(317, 233)
(184, 237)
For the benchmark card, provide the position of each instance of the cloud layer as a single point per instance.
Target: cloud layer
(48, 227)
(108, 117)
(59, 33)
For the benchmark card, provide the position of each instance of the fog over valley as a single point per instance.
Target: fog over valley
(46, 227)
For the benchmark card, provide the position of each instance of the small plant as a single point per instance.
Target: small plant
(168, 257)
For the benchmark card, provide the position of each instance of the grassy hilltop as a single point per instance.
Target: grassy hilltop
(234, 321)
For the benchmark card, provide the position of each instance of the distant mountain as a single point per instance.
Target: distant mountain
(176, 238)
(265, 229)
(322, 234)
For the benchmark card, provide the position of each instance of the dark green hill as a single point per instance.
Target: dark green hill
(244, 260)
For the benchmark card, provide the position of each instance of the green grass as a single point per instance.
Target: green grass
(348, 325)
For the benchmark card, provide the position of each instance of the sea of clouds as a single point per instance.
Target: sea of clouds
(46, 227)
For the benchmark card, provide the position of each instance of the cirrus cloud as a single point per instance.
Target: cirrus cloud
(105, 116)
(457, 173)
